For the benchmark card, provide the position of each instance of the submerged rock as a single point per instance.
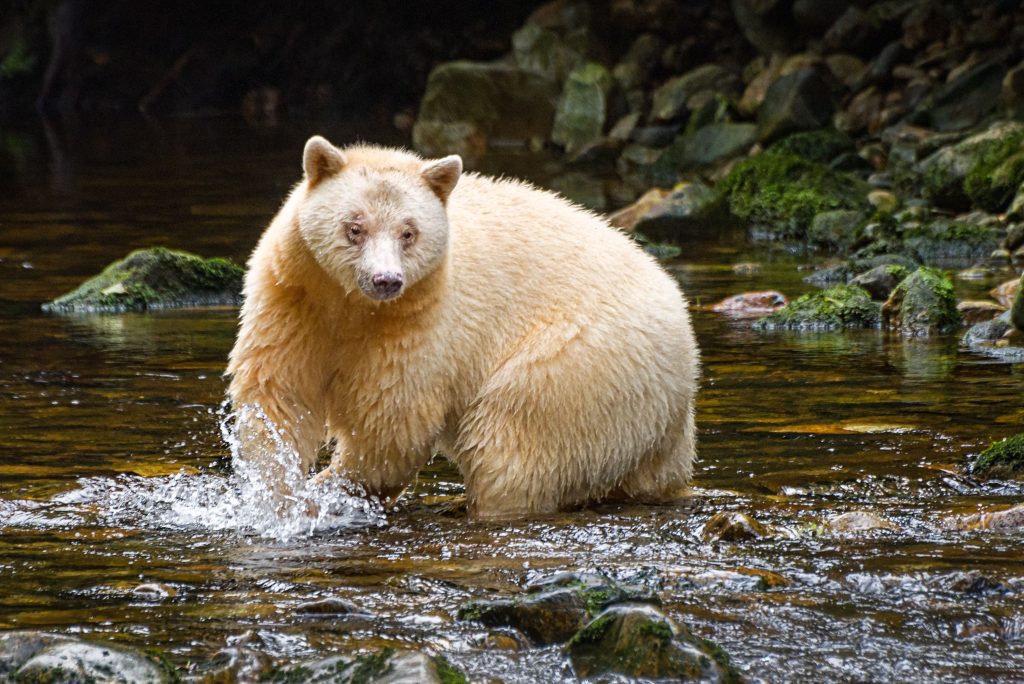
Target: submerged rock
(639, 641)
(386, 666)
(733, 527)
(858, 521)
(1003, 459)
(37, 657)
(751, 304)
(923, 304)
(155, 278)
(839, 307)
(1007, 520)
(555, 608)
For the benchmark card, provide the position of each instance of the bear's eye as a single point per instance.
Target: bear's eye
(354, 232)
(408, 235)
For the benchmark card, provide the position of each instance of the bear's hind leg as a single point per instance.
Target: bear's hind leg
(664, 474)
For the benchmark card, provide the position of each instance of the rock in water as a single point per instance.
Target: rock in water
(1002, 459)
(386, 666)
(1017, 312)
(842, 306)
(639, 641)
(155, 278)
(38, 657)
(923, 304)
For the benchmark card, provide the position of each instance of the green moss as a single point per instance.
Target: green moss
(153, 279)
(288, 675)
(594, 631)
(1003, 458)
(842, 306)
(782, 192)
(448, 673)
(945, 239)
(924, 303)
(997, 172)
(822, 145)
(370, 666)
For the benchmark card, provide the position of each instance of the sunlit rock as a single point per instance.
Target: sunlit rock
(734, 527)
(751, 304)
(858, 521)
(39, 657)
(386, 666)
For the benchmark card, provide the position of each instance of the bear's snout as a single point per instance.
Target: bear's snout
(386, 285)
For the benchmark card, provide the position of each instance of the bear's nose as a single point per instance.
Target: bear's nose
(387, 284)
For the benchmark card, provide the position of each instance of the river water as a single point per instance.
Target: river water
(114, 474)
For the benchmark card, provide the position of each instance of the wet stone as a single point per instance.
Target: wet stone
(232, 664)
(639, 641)
(751, 304)
(880, 281)
(554, 608)
(974, 312)
(32, 657)
(386, 666)
(329, 606)
(858, 521)
(923, 304)
(733, 527)
(839, 307)
(1005, 292)
(1003, 459)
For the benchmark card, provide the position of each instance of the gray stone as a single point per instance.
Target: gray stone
(542, 51)
(717, 142)
(669, 100)
(880, 281)
(799, 101)
(923, 304)
(689, 209)
(486, 103)
(386, 666)
(964, 101)
(73, 662)
(837, 228)
(582, 107)
(770, 32)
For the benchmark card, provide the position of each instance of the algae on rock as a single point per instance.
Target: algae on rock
(923, 304)
(839, 307)
(155, 278)
(1004, 458)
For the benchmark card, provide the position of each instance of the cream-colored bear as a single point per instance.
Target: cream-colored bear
(401, 308)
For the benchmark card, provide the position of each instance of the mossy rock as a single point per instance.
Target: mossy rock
(946, 240)
(639, 641)
(1002, 459)
(555, 608)
(386, 666)
(839, 307)
(34, 657)
(155, 278)
(582, 107)
(822, 145)
(964, 173)
(1017, 310)
(923, 304)
(780, 193)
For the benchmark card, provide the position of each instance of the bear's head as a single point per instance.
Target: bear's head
(375, 219)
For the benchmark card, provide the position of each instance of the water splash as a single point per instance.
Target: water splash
(242, 501)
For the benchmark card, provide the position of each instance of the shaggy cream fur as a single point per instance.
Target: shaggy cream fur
(531, 343)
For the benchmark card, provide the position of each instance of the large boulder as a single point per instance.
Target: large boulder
(964, 101)
(38, 657)
(469, 106)
(945, 173)
(670, 99)
(799, 101)
(582, 107)
(716, 142)
(155, 278)
(639, 641)
(691, 208)
(923, 304)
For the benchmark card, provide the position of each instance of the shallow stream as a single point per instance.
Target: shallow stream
(114, 474)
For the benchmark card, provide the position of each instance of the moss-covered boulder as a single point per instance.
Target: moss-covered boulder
(386, 666)
(839, 228)
(37, 657)
(555, 608)
(1002, 459)
(839, 307)
(1017, 310)
(780, 193)
(155, 279)
(923, 304)
(964, 173)
(582, 107)
(639, 641)
(469, 106)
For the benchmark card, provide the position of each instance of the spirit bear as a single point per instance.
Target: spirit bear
(397, 308)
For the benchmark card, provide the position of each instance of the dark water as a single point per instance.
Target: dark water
(113, 472)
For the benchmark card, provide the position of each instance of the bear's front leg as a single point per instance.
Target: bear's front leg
(384, 476)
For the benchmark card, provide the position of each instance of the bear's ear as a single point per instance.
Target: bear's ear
(321, 160)
(442, 175)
